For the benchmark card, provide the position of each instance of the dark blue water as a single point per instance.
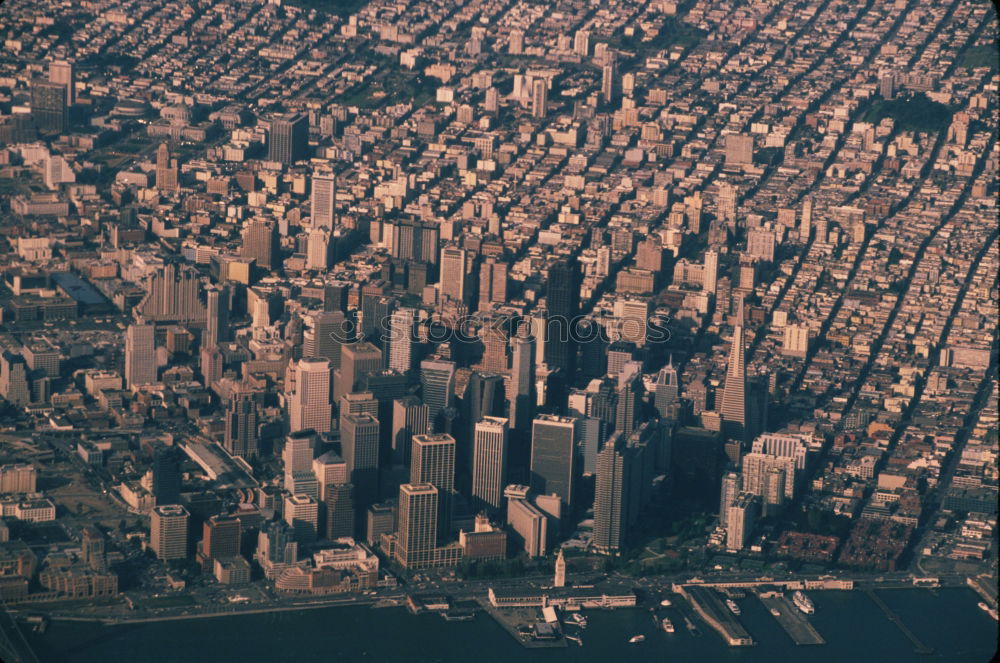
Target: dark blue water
(856, 630)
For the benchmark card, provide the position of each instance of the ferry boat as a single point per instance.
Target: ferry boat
(577, 619)
(775, 612)
(733, 608)
(665, 603)
(803, 603)
(668, 626)
(636, 639)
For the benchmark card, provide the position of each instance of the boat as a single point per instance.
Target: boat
(636, 639)
(575, 638)
(803, 603)
(733, 608)
(775, 612)
(983, 606)
(667, 625)
(577, 620)
(665, 603)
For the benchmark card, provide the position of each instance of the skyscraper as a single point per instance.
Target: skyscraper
(489, 462)
(329, 331)
(260, 242)
(710, 275)
(168, 532)
(166, 470)
(454, 269)
(356, 359)
(554, 461)
(241, 437)
(581, 43)
(418, 526)
(730, 489)
(539, 98)
(433, 462)
(609, 74)
(49, 107)
(14, 378)
(217, 316)
(302, 513)
(140, 355)
(734, 396)
(563, 302)
(220, 539)
(409, 418)
(323, 200)
(359, 441)
(309, 405)
(667, 388)
(401, 332)
(437, 380)
(522, 382)
(289, 138)
(61, 72)
(612, 496)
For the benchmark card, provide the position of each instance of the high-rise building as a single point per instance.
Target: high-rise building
(529, 523)
(359, 441)
(14, 378)
(522, 382)
(741, 518)
(668, 388)
(323, 201)
(409, 417)
(581, 43)
(260, 242)
(140, 355)
(61, 72)
(401, 336)
(340, 511)
(454, 274)
(168, 532)
(309, 405)
(489, 462)
(356, 359)
(241, 437)
(166, 169)
(516, 44)
(492, 282)
(733, 408)
(539, 98)
(609, 75)
(173, 296)
(612, 495)
(328, 332)
(629, 392)
(318, 249)
(730, 489)
(302, 513)
(727, 202)
(92, 548)
(710, 275)
(166, 469)
(805, 226)
(418, 526)
(433, 462)
(554, 458)
(217, 316)
(289, 138)
(563, 302)
(437, 380)
(775, 481)
(49, 106)
(220, 539)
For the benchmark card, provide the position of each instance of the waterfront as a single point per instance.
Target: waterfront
(946, 620)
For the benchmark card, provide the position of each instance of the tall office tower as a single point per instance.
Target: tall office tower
(796, 341)
(340, 511)
(554, 458)
(375, 312)
(581, 43)
(789, 445)
(539, 98)
(748, 274)
(358, 402)
(217, 316)
(318, 252)
(92, 548)
(433, 461)
(710, 274)
(409, 417)
(609, 74)
(775, 481)
(323, 201)
(495, 339)
(593, 340)
(492, 282)
(740, 520)
(612, 493)
(220, 539)
(739, 150)
(140, 355)
(48, 106)
(61, 72)
(418, 526)
(276, 546)
(166, 169)
(522, 382)
(633, 318)
(330, 469)
(454, 269)
(563, 301)
(356, 359)
(668, 388)
(167, 474)
(619, 354)
(489, 462)
(14, 379)
(302, 513)
(755, 468)
(173, 296)
(734, 395)
(260, 242)
(401, 335)
(887, 85)
(297, 456)
(805, 227)
(359, 442)
(492, 103)
(730, 489)
(329, 331)
(309, 405)
(241, 438)
(516, 45)
(168, 532)
(628, 413)
(437, 381)
(590, 435)
(484, 397)
(727, 199)
(289, 139)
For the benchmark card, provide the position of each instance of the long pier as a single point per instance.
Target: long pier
(709, 607)
(794, 622)
(918, 646)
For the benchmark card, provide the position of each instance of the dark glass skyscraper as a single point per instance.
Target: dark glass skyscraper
(563, 300)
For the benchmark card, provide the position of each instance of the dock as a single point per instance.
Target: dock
(510, 618)
(918, 646)
(709, 606)
(798, 628)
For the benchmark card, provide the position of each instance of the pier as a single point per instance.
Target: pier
(793, 621)
(709, 606)
(918, 646)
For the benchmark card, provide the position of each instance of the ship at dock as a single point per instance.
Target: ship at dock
(667, 625)
(803, 603)
(733, 608)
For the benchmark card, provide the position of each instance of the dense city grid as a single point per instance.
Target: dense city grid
(309, 300)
